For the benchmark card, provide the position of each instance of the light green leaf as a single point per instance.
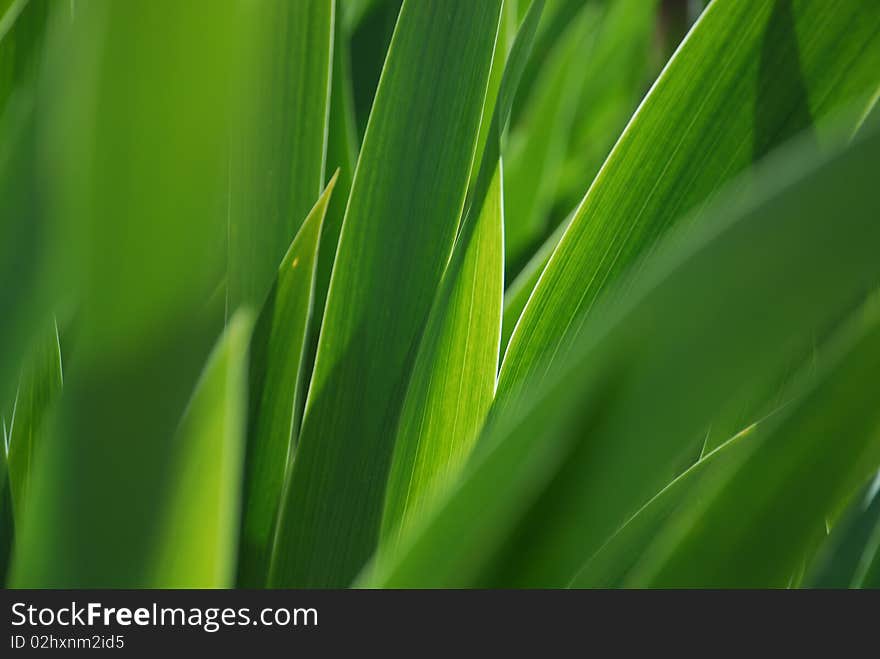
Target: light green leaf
(755, 528)
(38, 388)
(749, 75)
(517, 294)
(553, 478)
(453, 381)
(396, 239)
(276, 385)
(196, 546)
(142, 187)
(276, 170)
(342, 149)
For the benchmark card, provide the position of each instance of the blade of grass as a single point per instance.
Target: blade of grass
(749, 75)
(7, 524)
(610, 565)
(26, 232)
(196, 545)
(453, 379)
(160, 77)
(38, 389)
(276, 385)
(851, 545)
(538, 144)
(616, 79)
(277, 167)
(396, 239)
(342, 149)
(553, 478)
(517, 294)
(758, 525)
(369, 44)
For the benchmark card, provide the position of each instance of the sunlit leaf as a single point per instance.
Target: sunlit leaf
(396, 238)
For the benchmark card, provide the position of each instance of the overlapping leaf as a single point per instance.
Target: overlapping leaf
(453, 380)
(197, 539)
(142, 187)
(396, 238)
(276, 384)
(554, 478)
(749, 75)
(276, 169)
(38, 389)
(755, 528)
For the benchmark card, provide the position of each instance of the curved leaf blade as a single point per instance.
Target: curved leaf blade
(756, 528)
(749, 75)
(196, 546)
(276, 381)
(453, 381)
(554, 477)
(276, 170)
(396, 238)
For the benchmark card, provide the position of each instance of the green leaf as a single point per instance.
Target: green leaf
(847, 554)
(142, 187)
(368, 43)
(276, 383)
(7, 523)
(755, 528)
(396, 238)
(749, 75)
(610, 565)
(27, 233)
(276, 169)
(453, 381)
(553, 478)
(38, 389)
(616, 78)
(342, 148)
(538, 146)
(516, 296)
(196, 546)
(507, 33)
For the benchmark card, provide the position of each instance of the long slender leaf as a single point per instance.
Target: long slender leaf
(342, 149)
(397, 235)
(616, 79)
(847, 553)
(553, 478)
(37, 391)
(759, 525)
(611, 564)
(276, 383)
(7, 522)
(517, 294)
(27, 232)
(538, 148)
(276, 169)
(161, 76)
(749, 75)
(197, 539)
(453, 381)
